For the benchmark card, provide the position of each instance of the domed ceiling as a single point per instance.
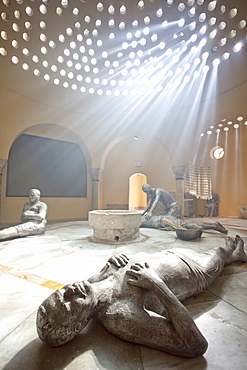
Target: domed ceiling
(156, 51)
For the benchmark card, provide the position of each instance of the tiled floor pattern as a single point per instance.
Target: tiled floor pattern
(31, 268)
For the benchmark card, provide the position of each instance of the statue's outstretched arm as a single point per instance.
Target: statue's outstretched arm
(176, 334)
(146, 210)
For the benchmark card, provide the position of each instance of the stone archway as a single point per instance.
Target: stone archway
(10, 206)
(123, 158)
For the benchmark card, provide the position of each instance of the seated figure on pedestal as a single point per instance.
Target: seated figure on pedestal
(138, 301)
(33, 219)
(171, 215)
(212, 205)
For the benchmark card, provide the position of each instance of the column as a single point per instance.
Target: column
(2, 164)
(95, 174)
(179, 172)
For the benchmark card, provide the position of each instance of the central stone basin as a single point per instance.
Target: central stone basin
(115, 225)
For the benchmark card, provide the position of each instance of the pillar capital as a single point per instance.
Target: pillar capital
(95, 173)
(2, 165)
(179, 171)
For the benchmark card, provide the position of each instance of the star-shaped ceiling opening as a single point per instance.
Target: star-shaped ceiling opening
(121, 48)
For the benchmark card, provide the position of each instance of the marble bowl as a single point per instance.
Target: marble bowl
(188, 234)
(115, 225)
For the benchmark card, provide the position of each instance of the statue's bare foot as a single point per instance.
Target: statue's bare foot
(237, 247)
(221, 228)
(239, 253)
(231, 243)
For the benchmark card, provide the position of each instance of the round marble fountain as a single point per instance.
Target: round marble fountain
(115, 225)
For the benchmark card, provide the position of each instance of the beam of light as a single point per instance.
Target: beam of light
(215, 163)
(222, 183)
(202, 151)
(173, 97)
(238, 175)
(217, 136)
(173, 88)
(241, 161)
(193, 115)
(198, 149)
(198, 157)
(154, 49)
(232, 170)
(208, 101)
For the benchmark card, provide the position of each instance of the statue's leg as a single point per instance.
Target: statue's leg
(207, 226)
(208, 265)
(236, 250)
(155, 222)
(233, 252)
(174, 210)
(30, 228)
(8, 233)
(212, 211)
(22, 230)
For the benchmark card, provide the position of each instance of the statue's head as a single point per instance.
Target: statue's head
(34, 195)
(147, 188)
(65, 313)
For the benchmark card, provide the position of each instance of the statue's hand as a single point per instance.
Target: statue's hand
(148, 215)
(119, 260)
(143, 275)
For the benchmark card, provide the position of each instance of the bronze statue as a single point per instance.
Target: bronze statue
(171, 215)
(172, 208)
(138, 301)
(33, 219)
(167, 222)
(212, 205)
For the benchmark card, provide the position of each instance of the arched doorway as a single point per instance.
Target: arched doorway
(137, 197)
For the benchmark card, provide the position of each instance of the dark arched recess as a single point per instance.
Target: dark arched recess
(57, 168)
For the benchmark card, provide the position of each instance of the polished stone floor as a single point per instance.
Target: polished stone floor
(31, 268)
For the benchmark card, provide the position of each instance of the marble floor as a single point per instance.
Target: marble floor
(32, 267)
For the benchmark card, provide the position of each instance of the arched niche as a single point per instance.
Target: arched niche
(50, 158)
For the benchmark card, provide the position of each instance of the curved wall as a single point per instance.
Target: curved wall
(145, 155)
(19, 114)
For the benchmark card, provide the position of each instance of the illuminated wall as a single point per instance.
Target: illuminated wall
(229, 174)
(122, 161)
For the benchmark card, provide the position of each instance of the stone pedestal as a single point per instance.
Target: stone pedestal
(115, 226)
